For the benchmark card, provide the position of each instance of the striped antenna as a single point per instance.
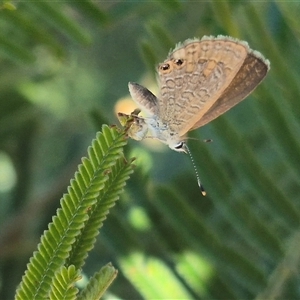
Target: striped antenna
(195, 168)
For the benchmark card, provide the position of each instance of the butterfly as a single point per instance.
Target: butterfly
(199, 81)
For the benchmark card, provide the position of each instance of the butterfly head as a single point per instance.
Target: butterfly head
(179, 146)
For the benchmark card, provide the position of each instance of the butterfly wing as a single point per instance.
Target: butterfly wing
(252, 72)
(145, 100)
(194, 77)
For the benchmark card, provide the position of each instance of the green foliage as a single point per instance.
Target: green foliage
(63, 284)
(62, 60)
(99, 283)
(107, 197)
(77, 222)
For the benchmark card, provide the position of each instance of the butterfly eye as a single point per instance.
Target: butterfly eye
(179, 146)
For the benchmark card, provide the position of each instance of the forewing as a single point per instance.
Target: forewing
(252, 72)
(193, 78)
(145, 100)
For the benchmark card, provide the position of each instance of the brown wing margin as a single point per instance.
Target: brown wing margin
(252, 72)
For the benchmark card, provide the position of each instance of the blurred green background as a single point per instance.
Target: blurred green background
(64, 70)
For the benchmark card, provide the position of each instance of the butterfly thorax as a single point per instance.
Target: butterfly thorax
(160, 130)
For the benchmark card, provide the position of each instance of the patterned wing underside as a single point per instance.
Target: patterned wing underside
(252, 72)
(199, 72)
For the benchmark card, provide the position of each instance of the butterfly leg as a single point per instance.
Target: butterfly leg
(135, 126)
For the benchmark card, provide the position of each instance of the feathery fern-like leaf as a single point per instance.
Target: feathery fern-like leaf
(99, 283)
(56, 242)
(63, 284)
(108, 195)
